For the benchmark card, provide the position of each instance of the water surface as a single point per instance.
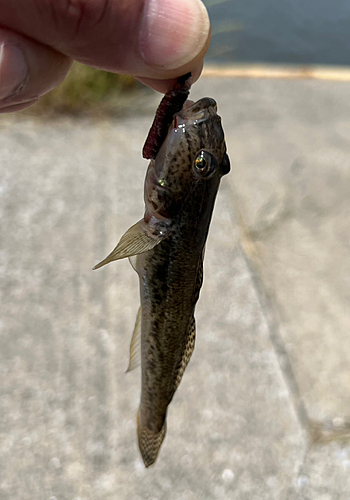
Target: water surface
(280, 31)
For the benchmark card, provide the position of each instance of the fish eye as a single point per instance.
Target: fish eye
(205, 163)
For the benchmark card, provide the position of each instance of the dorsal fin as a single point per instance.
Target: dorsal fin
(187, 353)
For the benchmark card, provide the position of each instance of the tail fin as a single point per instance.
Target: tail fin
(149, 441)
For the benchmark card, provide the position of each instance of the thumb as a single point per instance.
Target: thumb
(154, 40)
(174, 33)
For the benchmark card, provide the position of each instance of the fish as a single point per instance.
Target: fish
(166, 249)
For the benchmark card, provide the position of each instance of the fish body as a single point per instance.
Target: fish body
(180, 189)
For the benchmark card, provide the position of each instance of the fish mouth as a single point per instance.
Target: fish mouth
(195, 112)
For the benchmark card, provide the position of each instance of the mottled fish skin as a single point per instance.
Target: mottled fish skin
(180, 189)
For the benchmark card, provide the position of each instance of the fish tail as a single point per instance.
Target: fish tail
(149, 441)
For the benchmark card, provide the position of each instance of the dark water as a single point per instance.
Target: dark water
(283, 31)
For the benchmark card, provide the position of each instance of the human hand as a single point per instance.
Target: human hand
(154, 40)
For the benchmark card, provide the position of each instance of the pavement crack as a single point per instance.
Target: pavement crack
(250, 255)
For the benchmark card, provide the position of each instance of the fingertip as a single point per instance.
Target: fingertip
(28, 70)
(163, 86)
(173, 32)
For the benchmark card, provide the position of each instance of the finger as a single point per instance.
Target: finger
(166, 85)
(153, 39)
(18, 107)
(28, 70)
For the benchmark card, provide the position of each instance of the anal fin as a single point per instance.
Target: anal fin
(135, 344)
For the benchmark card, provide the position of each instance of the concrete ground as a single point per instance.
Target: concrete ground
(263, 411)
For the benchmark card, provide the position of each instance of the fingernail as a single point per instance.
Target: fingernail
(13, 71)
(173, 32)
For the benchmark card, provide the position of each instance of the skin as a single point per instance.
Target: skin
(154, 40)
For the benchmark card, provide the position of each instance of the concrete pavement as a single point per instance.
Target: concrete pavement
(263, 410)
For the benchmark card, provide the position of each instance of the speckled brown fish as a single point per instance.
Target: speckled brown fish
(180, 189)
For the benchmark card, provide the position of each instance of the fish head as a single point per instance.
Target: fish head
(192, 155)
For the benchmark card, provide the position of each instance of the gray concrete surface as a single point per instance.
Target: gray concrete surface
(263, 409)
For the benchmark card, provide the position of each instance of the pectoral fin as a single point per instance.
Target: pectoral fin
(135, 344)
(138, 239)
